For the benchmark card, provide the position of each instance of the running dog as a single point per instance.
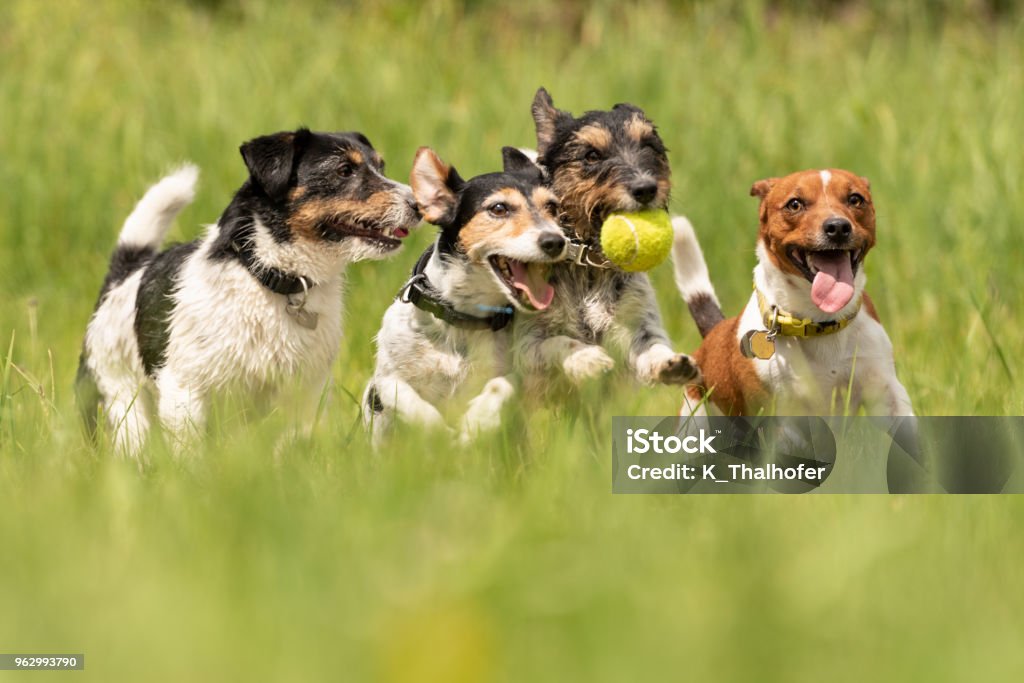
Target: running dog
(499, 236)
(809, 341)
(599, 163)
(255, 301)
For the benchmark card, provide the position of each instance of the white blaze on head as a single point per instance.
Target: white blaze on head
(826, 176)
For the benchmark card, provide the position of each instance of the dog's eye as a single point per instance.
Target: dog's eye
(592, 156)
(794, 204)
(855, 200)
(552, 207)
(346, 170)
(498, 210)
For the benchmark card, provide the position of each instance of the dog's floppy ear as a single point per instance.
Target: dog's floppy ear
(516, 161)
(546, 118)
(761, 188)
(435, 185)
(271, 159)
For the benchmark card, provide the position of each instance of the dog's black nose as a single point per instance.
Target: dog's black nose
(837, 229)
(644, 191)
(551, 243)
(414, 206)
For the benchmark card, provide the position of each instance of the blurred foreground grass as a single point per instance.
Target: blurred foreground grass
(511, 560)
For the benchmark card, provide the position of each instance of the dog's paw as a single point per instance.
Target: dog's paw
(586, 363)
(679, 369)
(484, 412)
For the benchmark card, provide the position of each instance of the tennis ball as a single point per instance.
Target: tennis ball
(637, 241)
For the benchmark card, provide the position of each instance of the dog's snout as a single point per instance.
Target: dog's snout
(644, 190)
(551, 243)
(413, 206)
(837, 229)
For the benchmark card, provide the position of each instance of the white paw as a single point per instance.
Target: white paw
(484, 412)
(586, 363)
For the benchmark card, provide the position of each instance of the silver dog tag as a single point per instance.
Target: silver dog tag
(296, 308)
(757, 344)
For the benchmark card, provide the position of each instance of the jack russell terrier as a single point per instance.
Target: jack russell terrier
(809, 341)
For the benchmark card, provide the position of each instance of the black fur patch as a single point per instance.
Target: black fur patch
(373, 401)
(706, 313)
(123, 262)
(153, 304)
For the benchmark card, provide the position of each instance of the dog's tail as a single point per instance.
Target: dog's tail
(692, 277)
(146, 226)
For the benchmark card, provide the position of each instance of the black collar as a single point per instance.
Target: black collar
(273, 279)
(420, 293)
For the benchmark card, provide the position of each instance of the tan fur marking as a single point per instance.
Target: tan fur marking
(305, 221)
(355, 156)
(540, 198)
(639, 128)
(595, 136)
(485, 233)
(582, 196)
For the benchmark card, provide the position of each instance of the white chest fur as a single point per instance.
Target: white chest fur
(228, 327)
(833, 373)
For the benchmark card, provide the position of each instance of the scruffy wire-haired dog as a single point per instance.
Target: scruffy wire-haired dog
(499, 235)
(599, 163)
(255, 301)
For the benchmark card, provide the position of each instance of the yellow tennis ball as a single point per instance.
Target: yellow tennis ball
(637, 241)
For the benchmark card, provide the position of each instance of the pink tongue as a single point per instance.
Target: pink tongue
(833, 285)
(533, 282)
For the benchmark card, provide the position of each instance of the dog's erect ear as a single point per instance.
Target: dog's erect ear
(546, 118)
(515, 161)
(630, 108)
(435, 185)
(271, 159)
(761, 188)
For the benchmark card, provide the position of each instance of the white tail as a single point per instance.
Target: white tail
(692, 277)
(148, 222)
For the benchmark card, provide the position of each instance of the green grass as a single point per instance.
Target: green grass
(511, 560)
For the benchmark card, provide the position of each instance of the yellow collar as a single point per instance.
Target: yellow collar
(780, 322)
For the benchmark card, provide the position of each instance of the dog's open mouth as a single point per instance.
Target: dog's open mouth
(527, 283)
(385, 239)
(830, 272)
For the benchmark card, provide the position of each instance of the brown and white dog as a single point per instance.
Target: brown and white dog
(809, 341)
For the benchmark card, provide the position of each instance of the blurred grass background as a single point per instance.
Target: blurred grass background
(511, 560)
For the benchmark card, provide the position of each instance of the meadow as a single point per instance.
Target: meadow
(510, 560)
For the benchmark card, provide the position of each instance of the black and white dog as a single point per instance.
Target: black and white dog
(499, 237)
(598, 163)
(255, 301)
